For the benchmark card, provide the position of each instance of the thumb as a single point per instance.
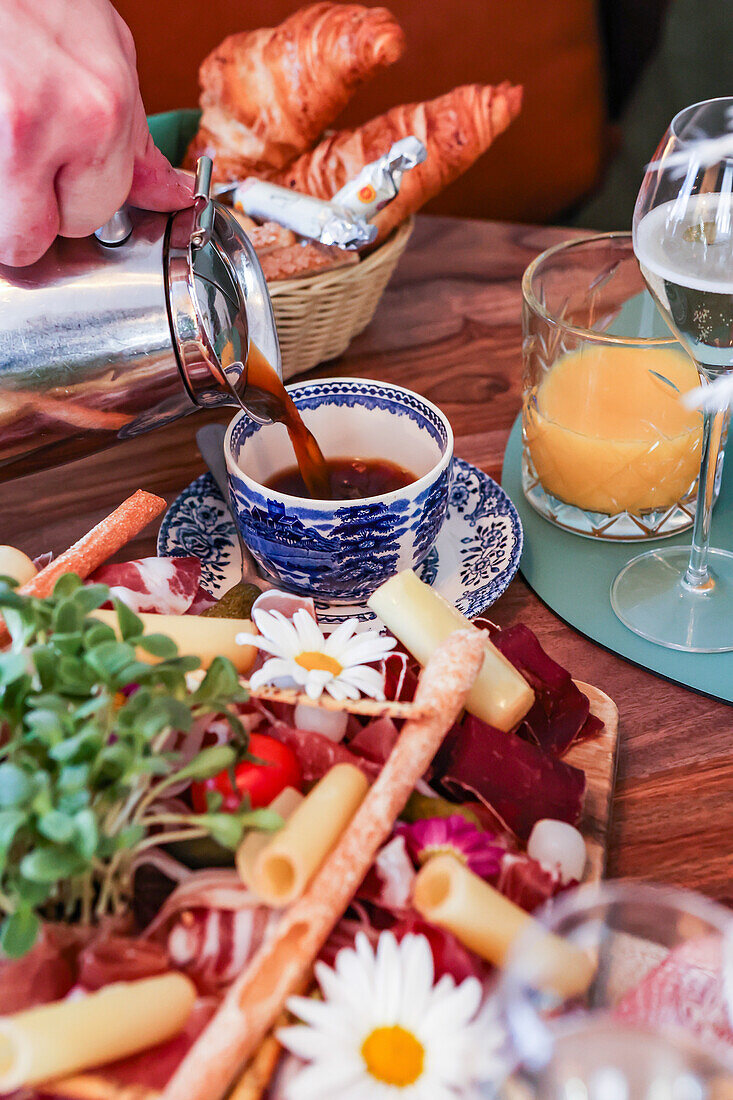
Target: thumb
(156, 184)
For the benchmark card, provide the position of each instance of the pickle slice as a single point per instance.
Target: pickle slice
(234, 604)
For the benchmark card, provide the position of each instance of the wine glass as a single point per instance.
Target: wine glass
(683, 240)
(652, 1019)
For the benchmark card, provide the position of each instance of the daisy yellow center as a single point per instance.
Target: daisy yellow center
(321, 662)
(394, 1056)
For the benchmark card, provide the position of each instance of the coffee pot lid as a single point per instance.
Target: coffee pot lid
(218, 301)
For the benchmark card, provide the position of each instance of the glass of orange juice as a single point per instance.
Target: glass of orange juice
(609, 450)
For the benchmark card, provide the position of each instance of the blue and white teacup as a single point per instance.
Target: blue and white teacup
(341, 550)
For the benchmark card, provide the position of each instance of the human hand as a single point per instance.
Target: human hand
(74, 141)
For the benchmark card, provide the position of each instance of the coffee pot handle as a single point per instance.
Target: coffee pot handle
(203, 222)
(115, 231)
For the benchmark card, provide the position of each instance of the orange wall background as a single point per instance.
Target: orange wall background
(542, 165)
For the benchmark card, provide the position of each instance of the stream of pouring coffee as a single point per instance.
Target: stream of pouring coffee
(267, 396)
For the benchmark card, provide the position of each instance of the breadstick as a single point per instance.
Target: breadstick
(258, 1074)
(94, 1086)
(104, 540)
(258, 995)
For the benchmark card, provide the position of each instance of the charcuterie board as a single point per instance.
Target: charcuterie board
(597, 758)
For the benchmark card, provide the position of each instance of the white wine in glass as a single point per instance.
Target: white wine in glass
(683, 240)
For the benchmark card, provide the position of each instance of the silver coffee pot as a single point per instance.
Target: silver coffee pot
(114, 334)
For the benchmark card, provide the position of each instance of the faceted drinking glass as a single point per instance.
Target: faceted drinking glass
(608, 450)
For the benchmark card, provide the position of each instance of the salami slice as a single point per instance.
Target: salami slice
(159, 586)
(514, 778)
(560, 711)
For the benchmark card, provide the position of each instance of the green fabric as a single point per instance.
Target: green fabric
(573, 576)
(694, 61)
(173, 130)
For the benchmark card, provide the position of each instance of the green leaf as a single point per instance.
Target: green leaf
(10, 822)
(96, 633)
(32, 893)
(73, 777)
(12, 668)
(18, 932)
(44, 658)
(214, 801)
(66, 585)
(90, 597)
(57, 826)
(15, 786)
(48, 864)
(209, 762)
(129, 836)
(87, 835)
(110, 659)
(130, 625)
(221, 681)
(67, 619)
(46, 725)
(267, 821)
(159, 645)
(226, 829)
(83, 746)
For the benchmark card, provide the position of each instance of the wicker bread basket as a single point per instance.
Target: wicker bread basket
(318, 316)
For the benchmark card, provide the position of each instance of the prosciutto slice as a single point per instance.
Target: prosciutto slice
(687, 992)
(159, 586)
(46, 973)
(211, 926)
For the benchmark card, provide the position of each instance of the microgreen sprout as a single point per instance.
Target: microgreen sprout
(89, 730)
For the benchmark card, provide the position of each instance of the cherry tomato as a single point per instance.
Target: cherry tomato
(262, 782)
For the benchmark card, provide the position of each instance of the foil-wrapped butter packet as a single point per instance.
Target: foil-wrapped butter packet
(378, 183)
(309, 217)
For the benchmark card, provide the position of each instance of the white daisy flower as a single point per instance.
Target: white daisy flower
(384, 1030)
(302, 657)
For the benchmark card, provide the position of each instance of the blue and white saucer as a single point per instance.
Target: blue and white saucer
(472, 562)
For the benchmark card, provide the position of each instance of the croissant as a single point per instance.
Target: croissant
(268, 94)
(456, 129)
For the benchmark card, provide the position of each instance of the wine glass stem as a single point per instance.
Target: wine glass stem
(698, 575)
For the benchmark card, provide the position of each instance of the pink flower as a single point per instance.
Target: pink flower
(433, 836)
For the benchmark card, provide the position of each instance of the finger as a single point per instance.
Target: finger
(89, 193)
(156, 184)
(29, 222)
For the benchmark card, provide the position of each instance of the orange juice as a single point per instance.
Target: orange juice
(607, 434)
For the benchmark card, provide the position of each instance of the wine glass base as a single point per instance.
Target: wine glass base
(650, 597)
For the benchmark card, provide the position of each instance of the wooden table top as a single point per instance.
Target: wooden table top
(449, 327)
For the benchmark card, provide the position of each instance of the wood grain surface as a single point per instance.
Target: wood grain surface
(449, 326)
(597, 758)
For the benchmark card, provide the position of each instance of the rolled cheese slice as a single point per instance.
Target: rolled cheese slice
(422, 619)
(446, 893)
(80, 1033)
(284, 867)
(255, 841)
(196, 637)
(14, 563)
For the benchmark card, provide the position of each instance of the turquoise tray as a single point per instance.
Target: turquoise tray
(573, 576)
